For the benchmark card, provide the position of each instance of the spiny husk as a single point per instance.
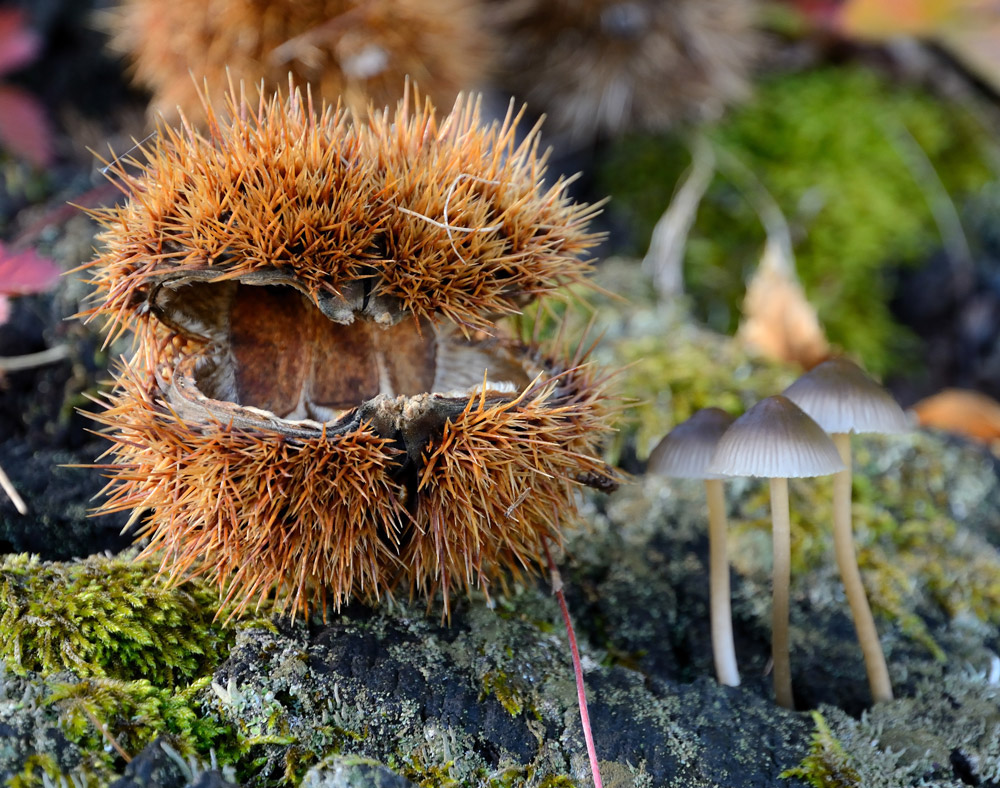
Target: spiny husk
(353, 51)
(501, 479)
(450, 217)
(340, 514)
(599, 68)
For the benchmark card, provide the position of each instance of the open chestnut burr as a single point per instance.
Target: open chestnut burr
(322, 401)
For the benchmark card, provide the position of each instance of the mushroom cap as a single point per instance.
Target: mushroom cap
(685, 452)
(840, 397)
(775, 439)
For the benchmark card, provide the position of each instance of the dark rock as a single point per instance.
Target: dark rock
(494, 691)
(30, 737)
(159, 766)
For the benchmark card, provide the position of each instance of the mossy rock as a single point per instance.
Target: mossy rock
(669, 366)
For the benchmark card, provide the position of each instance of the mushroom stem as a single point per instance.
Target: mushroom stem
(781, 539)
(847, 561)
(723, 649)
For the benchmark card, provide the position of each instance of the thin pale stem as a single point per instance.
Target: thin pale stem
(720, 613)
(850, 575)
(581, 695)
(781, 537)
(8, 487)
(31, 360)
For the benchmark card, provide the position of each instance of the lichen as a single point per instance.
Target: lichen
(946, 732)
(834, 148)
(106, 617)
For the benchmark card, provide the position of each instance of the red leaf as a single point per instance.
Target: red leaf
(24, 129)
(25, 272)
(18, 44)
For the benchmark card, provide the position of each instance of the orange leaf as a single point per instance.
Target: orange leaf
(969, 413)
(886, 18)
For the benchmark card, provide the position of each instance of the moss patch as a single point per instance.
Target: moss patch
(835, 148)
(826, 765)
(107, 617)
(670, 366)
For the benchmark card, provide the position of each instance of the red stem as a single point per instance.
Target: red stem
(557, 589)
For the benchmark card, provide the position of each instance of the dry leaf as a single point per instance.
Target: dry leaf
(968, 29)
(969, 413)
(778, 320)
(977, 47)
(886, 18)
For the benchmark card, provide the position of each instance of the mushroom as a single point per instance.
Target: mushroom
(684, 454)
(841, 398)
(776, 440)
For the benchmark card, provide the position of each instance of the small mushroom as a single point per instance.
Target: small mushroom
(684, 454)
(841, 398)
(776, 440)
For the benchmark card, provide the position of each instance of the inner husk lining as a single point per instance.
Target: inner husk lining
(271, 348)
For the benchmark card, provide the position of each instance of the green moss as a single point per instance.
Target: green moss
(496, 683)
(557, 781)
(826, 765)
(42, 770)
(96, 711)
(832, 147)
(425, 775)
(106, 617)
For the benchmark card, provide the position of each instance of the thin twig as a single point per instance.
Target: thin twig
(8, 488)
(665, 257)
(938, 200)
(581, 695)
(31, 360)
(106, 733)
(763, 203)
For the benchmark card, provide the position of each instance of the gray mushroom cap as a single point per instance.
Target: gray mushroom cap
(775, 439)
(840, 397)
(685, 452)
